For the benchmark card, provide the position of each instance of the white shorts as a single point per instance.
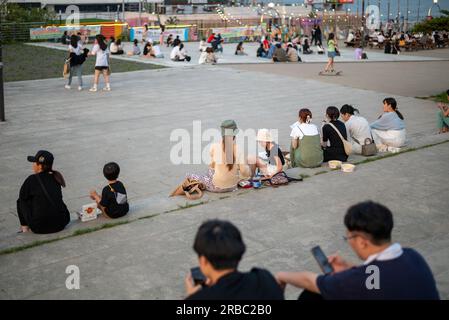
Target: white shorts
(390, 138)
(272, 169)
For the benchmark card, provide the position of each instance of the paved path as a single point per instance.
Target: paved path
(132, 125)
(148, 259)
(412, 79)
(228, 56)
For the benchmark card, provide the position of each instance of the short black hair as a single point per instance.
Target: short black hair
(372, 218)
(111, 171)
(333, 113)
(221, 243)
(447, 92)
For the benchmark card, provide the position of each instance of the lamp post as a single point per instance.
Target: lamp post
(363, 24)
(2, 97)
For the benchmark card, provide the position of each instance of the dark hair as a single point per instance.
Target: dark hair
(227, 156)
(394, 105)
(371, 218)
(331, 36)
(333, 113)
(74, 40)
(136, 41)
(56, 174)
(304, 114)
(278, 45)
(447, 92)
(181, 46)
(347, 108)
(112, 38)
(100, 39)
(118, 42)
(111, 171)
(221, 243)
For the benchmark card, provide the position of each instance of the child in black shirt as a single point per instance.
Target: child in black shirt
(113, 201)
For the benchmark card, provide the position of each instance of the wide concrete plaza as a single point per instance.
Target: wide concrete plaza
(132, 124)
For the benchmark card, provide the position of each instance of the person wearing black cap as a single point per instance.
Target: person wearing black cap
(40, 206)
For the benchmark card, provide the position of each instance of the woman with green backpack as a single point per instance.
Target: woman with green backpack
(305, 150)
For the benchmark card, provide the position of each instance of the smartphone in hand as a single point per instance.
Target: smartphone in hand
(322, 260)
(198, 276)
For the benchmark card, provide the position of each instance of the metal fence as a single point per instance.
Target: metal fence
(17, 32)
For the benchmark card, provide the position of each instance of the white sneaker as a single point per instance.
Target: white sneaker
(80, 88)
(393, 149)
(67, 87)
(107, 89)
(93, 89)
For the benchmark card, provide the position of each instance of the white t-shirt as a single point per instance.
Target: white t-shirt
(299, 130)
(358, 128)
(380, 38)
(76, 50)
(350, 37)
(157, 51)
(174, 52)
(102, 56)
(113, 47)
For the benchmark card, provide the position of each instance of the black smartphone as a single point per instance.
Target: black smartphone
(322, 260)
(198, 276)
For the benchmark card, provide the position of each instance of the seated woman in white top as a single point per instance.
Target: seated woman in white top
(305, 150)
(227, 166)
(179, 53)
(208, 56)
(271, 160)
(389, 130)
(136, 50)
(358, 128)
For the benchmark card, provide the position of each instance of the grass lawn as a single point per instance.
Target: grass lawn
(442, 97)
(93, 20)
(23, 62)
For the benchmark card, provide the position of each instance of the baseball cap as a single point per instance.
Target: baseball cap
(42, 157)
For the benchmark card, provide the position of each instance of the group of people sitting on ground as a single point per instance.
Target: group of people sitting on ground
(278, 51)
(310, 147)
(66, 38)
(41, 208)
(404, 273)
(150, 50)
(228, 166)
(395, 42)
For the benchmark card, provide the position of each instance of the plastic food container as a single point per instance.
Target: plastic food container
(347, 167)
(334, 164)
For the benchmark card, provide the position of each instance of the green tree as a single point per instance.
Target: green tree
(436, 24)
(15, 13)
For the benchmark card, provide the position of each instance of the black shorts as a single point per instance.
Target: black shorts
(101, 68)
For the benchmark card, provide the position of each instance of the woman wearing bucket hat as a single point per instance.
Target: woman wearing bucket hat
(40, 206)
(227, 165)
(271, 160)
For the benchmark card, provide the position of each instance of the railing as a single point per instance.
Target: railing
(20, 32)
